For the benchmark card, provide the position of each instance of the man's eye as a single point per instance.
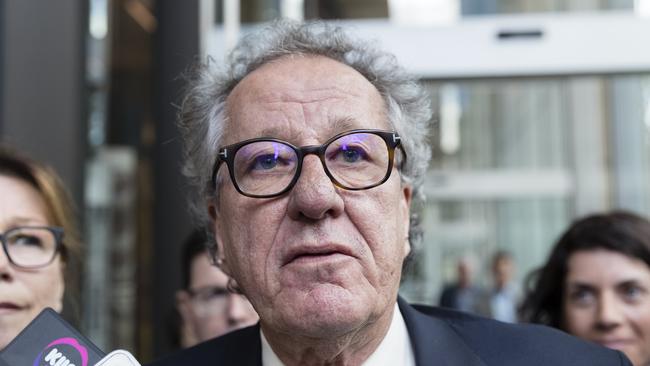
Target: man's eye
(265, 162)
(349, 154)
(271, 162)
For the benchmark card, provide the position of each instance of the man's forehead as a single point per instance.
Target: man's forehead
(305, 79)
(289, 96)
(335, 127)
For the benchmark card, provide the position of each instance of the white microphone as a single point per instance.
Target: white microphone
(118, 358)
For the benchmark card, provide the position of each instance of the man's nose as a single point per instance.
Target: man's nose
(609, 313)
(314, 196)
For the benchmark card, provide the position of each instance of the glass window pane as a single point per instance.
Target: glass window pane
(515, 160)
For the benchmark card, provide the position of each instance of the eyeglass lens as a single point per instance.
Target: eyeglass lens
(356, 160)
(30, 247)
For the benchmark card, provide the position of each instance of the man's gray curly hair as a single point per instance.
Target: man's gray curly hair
(203, 112)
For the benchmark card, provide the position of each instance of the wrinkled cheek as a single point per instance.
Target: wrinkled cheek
(247, 265)
(261, 246)
(236, 240)
(390, 274)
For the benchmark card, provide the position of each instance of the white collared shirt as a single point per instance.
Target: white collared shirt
(394, 349)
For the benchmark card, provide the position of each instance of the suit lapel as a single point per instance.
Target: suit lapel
(434, 342)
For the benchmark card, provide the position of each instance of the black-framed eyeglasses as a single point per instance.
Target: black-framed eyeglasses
(267, 167)
(32, 247)
(210, 300)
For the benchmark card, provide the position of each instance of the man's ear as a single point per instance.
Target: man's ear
(218, 255)
(407, 195)
(212, 210)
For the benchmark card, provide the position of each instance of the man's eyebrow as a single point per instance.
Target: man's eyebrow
(339, 125)
(344, 124)
(279, 133)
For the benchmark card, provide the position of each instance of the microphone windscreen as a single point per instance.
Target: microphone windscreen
(118, 358)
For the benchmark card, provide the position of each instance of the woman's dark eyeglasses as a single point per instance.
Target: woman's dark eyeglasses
(268, 167)
(32, 247)
(211, 300)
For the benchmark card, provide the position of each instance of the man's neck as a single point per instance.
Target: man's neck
(351, 348)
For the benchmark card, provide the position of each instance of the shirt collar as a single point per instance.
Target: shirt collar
(394, 349)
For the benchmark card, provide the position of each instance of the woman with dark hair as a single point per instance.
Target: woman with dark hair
(596, 284)
(40, 243)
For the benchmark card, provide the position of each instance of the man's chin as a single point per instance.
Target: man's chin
(327, 310)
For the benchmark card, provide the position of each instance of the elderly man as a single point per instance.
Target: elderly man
(308, 150)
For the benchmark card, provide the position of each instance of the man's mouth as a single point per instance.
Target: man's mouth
(317, 254)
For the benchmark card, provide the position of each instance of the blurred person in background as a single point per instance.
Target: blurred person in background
(462, 294)
(39, 242)
(500, 301)
(207, 307)
(596, 284)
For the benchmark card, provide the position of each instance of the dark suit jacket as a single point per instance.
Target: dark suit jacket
(439, 337)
